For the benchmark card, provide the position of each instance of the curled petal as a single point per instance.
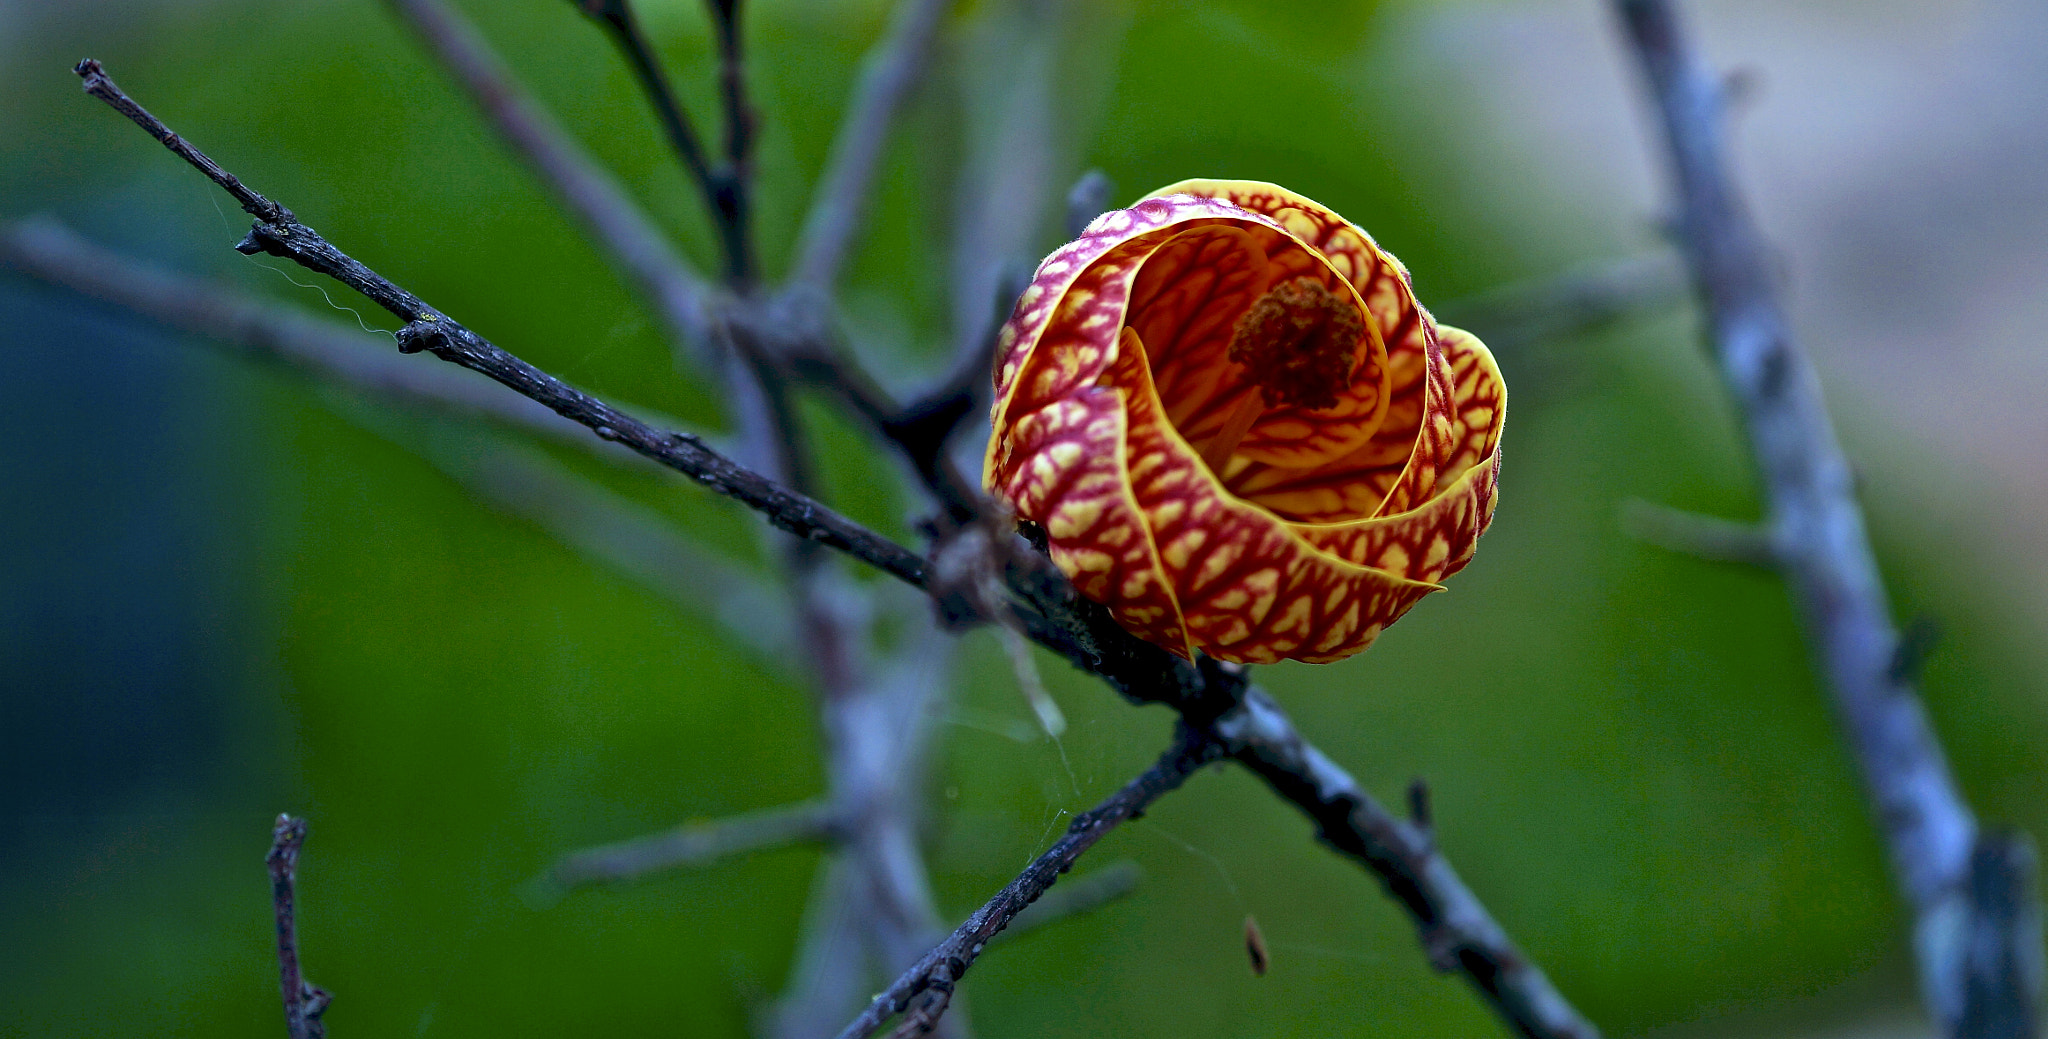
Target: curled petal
(1239, 429)
(1251, 590)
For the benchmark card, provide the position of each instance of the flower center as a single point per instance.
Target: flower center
(1298, 346)
(1298, 343)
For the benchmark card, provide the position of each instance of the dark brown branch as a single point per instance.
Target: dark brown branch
(1818, 529)
(735, 190)
(432, 331)
(1080, 894)
(303, 1001)
(619, 227)
(722, 195)
(936, 975)
(98, 85)
(1456, 930)
(888, 74)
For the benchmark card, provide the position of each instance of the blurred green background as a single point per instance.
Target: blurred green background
(222, 596)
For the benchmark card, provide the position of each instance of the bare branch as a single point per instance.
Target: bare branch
(1456, 930)
(733, 197)
(1708, 537)
(1081, 894)
(621, 229)
(582, 514)
(1571, 303)
(99, 86)
(888, 75)
(273, 333)
(303, 1001)
(694, 844)
(722, 196)
(430, 330)
(1819, 529)
(626, 537)
(942, 968)
(1009, 172)
(1204, 692)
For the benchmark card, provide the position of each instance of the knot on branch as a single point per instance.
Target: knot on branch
(428, 333)
(268, 236)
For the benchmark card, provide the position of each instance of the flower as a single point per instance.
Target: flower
(1237, 427)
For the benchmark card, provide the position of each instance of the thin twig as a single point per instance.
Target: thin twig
(735, 188)
(1818, 528)
(715, 183)
(273, 333)
(1707, 537)
(620, 228)
(630, 539)
(1572, 303)
(304, 1002)
(434, 332)
(941, 969)
(582, 514)
(694, 844)
(888, 75)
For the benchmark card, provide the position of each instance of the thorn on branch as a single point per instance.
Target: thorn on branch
(1418, 808)
(1443, 946)
(1916, 642)
(303, 1001)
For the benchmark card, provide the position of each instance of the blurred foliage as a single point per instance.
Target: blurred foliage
(222, 599)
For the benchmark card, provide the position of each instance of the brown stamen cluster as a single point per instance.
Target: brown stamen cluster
(1299, 343)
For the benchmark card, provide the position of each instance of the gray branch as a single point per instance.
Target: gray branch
(693, 844)
(273, 333)
(888, 75)
(1707, 537)
(1976, 937)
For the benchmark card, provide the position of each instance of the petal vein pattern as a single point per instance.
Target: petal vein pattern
(1238, 428)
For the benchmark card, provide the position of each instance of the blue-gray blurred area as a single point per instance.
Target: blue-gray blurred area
(117, 612)
(227, 591)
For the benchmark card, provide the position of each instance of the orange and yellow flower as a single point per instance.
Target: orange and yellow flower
(1237, 427)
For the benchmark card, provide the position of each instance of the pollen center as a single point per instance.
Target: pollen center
(1298, 343)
